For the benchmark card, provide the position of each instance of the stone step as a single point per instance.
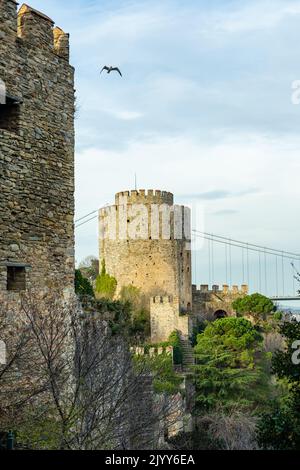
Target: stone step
(188, 358)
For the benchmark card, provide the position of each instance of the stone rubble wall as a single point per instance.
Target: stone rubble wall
(37, 160)
(165, 318)
(206, 301)
(156, 266)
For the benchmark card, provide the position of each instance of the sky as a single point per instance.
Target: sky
(203, 110)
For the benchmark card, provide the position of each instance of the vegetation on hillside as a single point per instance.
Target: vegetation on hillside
(230, 368)
(279, 429)
(256, 306)
(106, 285)
(83, 287)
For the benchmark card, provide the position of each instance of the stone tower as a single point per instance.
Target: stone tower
(36, 152)
(145, 242)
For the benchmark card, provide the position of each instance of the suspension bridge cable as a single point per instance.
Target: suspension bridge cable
(266, 278)
(276, 268)
(230, 240)
(85, 216)
(250, 249)
(209, 262)
(248, 269)
(293, 278)
(226, 264)
(282, 267)
(243, 265)
(230, 266)
(86, 221)
(212, 262)
(259, 264)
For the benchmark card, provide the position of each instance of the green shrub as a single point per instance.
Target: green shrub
(174, 340)
(106, 285)
(230, 368)
(83, 287)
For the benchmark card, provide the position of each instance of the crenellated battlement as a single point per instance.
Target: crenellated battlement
(225, 290)
(152, 351)
(143, 196)
(34, 27)
(165, 299)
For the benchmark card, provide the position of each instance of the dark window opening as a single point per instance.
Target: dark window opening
(10, 115)
(16, 278)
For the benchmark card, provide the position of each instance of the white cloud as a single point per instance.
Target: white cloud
(179, 164)
(124, 115)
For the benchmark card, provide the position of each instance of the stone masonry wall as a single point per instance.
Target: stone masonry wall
(213, 303)
(37, 149)
(156, 266)
(165, 318)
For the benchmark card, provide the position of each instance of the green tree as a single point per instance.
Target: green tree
(83, 287)
(256, 305)
(140, 315)
(89, 268)
(106, 285)
(230, 368)
(279, 429)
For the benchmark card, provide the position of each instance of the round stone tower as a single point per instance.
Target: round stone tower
(145, 242)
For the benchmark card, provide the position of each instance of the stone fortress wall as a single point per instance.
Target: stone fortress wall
(36, 152)
(166, 318)
(210, 304)
(159, 266)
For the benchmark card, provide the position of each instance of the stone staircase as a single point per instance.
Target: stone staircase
(188, 354)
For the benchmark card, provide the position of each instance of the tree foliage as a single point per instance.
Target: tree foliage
(89, 268)
(83, 287)
(255, 305)
(230, 365)
(140, 315)
(106, 285)
(280, 428)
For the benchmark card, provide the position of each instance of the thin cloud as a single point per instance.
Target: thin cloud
(225, 212)
(220, 194)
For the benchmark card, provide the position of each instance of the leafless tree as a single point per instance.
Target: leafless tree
(66, 368)
(233, 430)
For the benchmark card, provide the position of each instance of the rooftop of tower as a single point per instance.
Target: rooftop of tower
(143, 196)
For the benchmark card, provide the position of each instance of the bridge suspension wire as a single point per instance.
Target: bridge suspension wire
(209, 263)
(243, 265)
(282, 268)
(212, 261)
(248, 268)
(86, 221)
(195, 262)
(85, 216)
(230, 265)
(259, 268)
(232, 243)
(226, 263)
(293, 278)
(251, 246)
(266, 277)
(276, 270)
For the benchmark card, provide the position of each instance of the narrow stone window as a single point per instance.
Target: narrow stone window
(10, 115)
(16, 278)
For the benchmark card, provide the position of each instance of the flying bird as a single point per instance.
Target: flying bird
(111, 69)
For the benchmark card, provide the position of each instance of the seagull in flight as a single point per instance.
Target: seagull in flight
(111, 69)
